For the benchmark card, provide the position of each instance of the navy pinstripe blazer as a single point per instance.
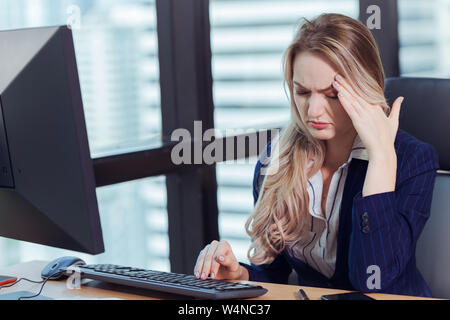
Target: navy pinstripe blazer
(380, 229)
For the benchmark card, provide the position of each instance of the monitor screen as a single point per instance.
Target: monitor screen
(47, 183)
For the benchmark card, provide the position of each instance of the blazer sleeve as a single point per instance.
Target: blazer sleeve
(279, 269)
(386, 226)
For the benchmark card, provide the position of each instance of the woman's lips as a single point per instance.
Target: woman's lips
(319, 125)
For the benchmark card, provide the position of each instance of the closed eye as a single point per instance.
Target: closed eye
(303, 93)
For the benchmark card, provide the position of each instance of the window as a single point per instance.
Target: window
(424, 35)
(133, 215)
(248, 39)
(116, 49)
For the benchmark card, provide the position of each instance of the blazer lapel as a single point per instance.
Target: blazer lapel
(353, 184)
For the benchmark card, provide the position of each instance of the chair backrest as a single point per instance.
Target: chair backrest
(426, 115)
(433, 246)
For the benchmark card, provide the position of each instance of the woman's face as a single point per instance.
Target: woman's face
(316, 99)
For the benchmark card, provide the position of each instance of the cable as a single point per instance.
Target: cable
(36, 295)
(17, 281)
(11, 284)
(33, 281)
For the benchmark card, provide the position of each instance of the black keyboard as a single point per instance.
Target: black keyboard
(176, 283)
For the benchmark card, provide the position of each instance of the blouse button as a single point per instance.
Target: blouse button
(366, 229)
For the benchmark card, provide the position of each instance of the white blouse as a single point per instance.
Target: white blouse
(317, 245)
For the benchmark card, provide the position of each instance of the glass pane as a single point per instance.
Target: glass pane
(134, 223)
(248, 39)
(116, 49)
(424, 35)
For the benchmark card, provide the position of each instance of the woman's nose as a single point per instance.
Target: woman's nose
(316, 107)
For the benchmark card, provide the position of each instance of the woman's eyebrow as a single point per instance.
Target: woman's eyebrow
(321, 90)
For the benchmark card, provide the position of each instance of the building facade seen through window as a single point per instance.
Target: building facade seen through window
(424, 36)
(116, 49)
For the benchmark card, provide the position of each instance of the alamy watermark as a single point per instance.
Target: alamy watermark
(73, 17)
(74, 279)
(374, 280)
(374, 20)
(191, 150)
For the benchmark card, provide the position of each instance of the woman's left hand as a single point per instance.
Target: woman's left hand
(376, 130)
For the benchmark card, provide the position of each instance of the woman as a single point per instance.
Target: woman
(348, 193)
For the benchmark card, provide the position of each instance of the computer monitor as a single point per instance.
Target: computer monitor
(47, 183)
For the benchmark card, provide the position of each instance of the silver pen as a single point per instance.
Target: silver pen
(302, 294)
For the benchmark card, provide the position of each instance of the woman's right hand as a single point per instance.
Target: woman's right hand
(218, 261)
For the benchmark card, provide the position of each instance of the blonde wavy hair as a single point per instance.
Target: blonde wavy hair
(281, 210)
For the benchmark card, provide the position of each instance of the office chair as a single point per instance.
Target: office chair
(425, 114)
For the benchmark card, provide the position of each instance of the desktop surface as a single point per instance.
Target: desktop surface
(91, 289)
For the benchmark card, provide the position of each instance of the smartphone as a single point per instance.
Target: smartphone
(4, 280)
(347, 296)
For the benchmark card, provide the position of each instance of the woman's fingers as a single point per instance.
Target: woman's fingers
(214, 256)
(201, 268)
(223, 257)
(395, 110)
(376, 130)
(347, 104)
(342, 83)
(199, 264)
(208, 259)
(218, 259)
